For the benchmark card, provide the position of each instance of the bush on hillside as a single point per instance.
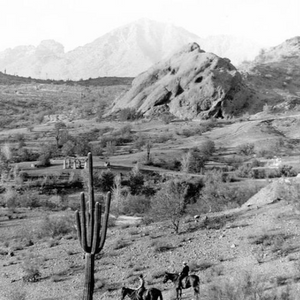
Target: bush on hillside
(218, 194)
(166, 118)
(136, 182)
(193, 161)
(55, 226)
(129, 114)
(169, 203)
(135, 204)
(246, 149)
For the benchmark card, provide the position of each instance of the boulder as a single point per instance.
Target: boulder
(190, 84)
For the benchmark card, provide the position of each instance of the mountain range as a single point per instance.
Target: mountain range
(125, 51)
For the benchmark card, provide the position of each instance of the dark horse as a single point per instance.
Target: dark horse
(187, 282)
(149, 294)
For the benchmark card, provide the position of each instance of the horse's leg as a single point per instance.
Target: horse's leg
(180, 293)
(160, 296)
(196, 292)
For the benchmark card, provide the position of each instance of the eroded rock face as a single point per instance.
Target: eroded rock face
(190, 84)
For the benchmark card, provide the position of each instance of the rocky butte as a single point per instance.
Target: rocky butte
(190, 84)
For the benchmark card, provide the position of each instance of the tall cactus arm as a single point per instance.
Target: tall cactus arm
(83, 226)
(91, 201)
(97, 225)
(105, 223)
(78, 225)
(81, 223)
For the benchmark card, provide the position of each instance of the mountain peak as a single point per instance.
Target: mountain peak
(126, 51)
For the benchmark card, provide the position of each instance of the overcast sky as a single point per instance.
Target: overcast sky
(77, 22)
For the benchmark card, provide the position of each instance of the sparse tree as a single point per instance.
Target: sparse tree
(116, 194)
(193, 161)
(169, 203)
(111, 147)
(57, 131)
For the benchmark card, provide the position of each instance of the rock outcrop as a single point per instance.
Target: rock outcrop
(190, 84)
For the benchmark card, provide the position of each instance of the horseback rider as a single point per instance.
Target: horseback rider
(184, 273)
(141, 289)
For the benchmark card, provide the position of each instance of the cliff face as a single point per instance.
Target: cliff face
(191, 84)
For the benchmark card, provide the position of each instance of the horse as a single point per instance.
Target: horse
(149, 294)
(187, 282)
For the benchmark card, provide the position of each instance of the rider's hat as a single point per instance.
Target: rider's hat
(184, 263)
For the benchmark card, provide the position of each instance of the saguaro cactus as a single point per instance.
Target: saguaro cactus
(91, 231)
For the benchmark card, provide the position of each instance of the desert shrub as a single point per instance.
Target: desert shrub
(82, 146)
(125, 130)
(136, 182)
(265, 153)
(245, 286)
(29, 199)
(111, 222)
(258, 173)
(117, 140)
(250, 170)
(46, 153)
(163, 138)
(32, 271)
(287, 171)
(68, 148)
(135, 204)
(166, 118)
(120, 244)
(24, 154)
(26, 198)
(55, 226)
(234, 161)
(187, 132)
(111, 147)
(169, 163)
(244, 171)
(97, 150)
(246, 149)
(161, 246)
(139, 142)
(193, 161)
(129, 114)
(9, 198)
(207, 148)
(217, 195)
